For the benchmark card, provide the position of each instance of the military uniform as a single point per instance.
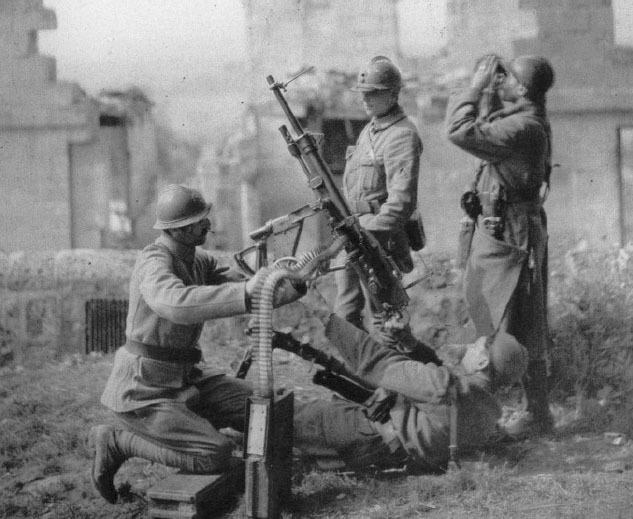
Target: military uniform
(380, 184)
(158, 387)
(419, 427)
(505, 279)
(505, 275)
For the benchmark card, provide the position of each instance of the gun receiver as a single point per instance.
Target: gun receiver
(375, 269)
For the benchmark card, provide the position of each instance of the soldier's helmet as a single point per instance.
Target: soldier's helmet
(534, 72)
(178, 206)
(508, 359)
(379, 74)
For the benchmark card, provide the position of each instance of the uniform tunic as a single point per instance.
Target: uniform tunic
(419, 422)
(505, 279)
(173, 290)
(380, 184)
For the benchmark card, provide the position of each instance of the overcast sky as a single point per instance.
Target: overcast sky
(105, 43)
(163, 46)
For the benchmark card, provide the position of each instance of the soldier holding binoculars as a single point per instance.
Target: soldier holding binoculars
(501, 119)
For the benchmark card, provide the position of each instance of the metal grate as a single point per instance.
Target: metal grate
(105, 324)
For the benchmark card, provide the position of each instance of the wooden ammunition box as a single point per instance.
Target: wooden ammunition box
(188, 496)
(268, 452)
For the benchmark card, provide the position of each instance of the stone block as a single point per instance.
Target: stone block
(32, 271)
(90, 265)
(14, 44)
(5, 263)
(42, 318)
(51, 94)
(27, 71)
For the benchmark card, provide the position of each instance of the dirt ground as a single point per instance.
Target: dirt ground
(582, 471)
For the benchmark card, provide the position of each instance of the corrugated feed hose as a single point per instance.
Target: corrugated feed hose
(293, 269)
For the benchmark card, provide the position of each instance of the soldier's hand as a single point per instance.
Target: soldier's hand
(485, 72)
(379, 405)
(286, 291)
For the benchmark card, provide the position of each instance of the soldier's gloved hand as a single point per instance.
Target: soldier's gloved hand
(286, 292)
(379, 404)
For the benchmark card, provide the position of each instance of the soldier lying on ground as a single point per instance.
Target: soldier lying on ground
(417, 431)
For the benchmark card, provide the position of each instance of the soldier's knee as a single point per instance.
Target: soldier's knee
(216, 461)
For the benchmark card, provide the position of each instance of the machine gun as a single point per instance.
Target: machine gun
(268, 436)
(334, 375)
(375, 268)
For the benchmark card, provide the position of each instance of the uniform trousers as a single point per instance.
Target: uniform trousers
(193, 426)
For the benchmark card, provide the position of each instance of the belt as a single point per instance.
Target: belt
(151, 351)
(521, 197)
(364, 206)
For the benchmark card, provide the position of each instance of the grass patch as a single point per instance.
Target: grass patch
(46, 412)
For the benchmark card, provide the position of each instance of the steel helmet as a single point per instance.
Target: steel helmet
(534, 72)
(379, 74)
(178, 206)
(508, 359)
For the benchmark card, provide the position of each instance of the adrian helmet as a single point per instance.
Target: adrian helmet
(379, 74)
(178, 206)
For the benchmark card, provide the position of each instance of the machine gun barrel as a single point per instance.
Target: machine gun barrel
(376, 270)
(315, 168)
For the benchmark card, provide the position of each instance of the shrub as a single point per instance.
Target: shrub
(591, 327)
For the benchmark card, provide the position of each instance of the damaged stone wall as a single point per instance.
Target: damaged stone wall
(43, 299)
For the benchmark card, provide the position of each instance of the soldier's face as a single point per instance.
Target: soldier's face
(378, 102)
(194, 234)
(509, 89)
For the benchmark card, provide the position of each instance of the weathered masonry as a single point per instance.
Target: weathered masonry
(60, 303)
(75, 170)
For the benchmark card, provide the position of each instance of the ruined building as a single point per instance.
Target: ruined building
(284, 38)
(74, 169)
(591, 106)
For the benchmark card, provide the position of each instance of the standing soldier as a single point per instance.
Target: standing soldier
(380, 183)
(505, 281)
(168, 405)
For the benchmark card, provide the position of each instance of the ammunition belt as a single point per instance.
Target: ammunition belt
(165, 354)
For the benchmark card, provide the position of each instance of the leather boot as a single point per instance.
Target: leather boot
(533, 416)
(536, 393)
(107, 460)
(112, 446)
